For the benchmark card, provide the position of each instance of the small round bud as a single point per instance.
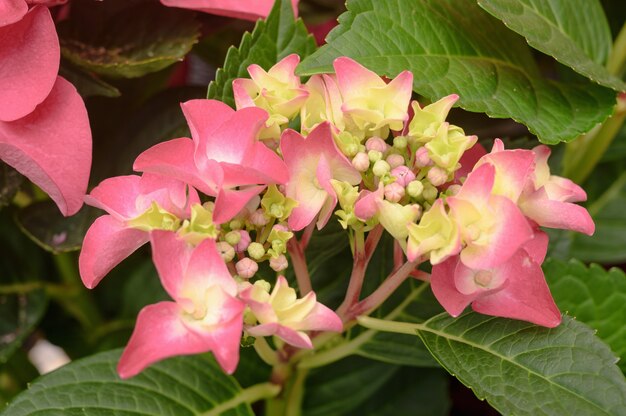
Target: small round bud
(429, 193)
(400, 142)
(453, 190)
(244, 241)
(437, 176)
(381, 168)
(226, 251)
(232, 237)
(361, 162)
(374, 155)
(280, 227)
(403, 175)
(258, 218)
(376, 143)
(414, 188)
(256, 250)
(236, 225)
(351, 149)
(279, 263)
(394, 192)
(246, 268)
(421, 158)
(395, 160)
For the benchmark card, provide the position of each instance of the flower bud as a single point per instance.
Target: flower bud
(258, 218)
(429, 193)
(361, 162)
(394, 192)
(226, 251)
(232, 237)
(403, 175)
(453, 190)
(244, 241)
(437, 176)
(374, 155)
(246, 267)
(256, 250)
(376, 143)
(279, 263)
(414, 188)
(395, 160)
(381, 168)
(421, 158)
(400, 142)
(235, 225)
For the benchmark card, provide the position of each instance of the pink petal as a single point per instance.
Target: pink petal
(170, 256)
(555, 214)
(263, 159)
(12, 11)
(510, 232)
(563, 189)
(52, 145)
(526, 296)
(252, 10)
(290, 336)
(321, 318)
(443, 284)
(353, 78)
(243, 88)
(537, 247)
(230, 202)
(206, 268)
(367, 204)
(29, 63)
(161, 332)
(477, 188)
(117, 196)
(324, 175)
(469, 160)
(107, 242)
(513, 170)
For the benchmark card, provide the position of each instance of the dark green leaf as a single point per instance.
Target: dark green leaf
(181, 386)
(87, 84)
(594, 296)
(270, 41)
(45, 225)
(453, 46)
(574, 32)
(134, 42)
(10, 181)
(523, 369)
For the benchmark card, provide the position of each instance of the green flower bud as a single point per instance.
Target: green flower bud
(256, 251)
(381, 167)
(232, 237)
(415, 189)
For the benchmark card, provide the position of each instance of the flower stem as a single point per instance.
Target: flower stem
(249, 395)
(266, 353)
(300, 268)
(389, 326)
(617, 57)
(381, 294)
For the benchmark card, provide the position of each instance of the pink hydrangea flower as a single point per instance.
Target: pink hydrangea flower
(312, 163)
(248, 10)
(204, 316)
(135, 206)
(223, 155)
(282, 314)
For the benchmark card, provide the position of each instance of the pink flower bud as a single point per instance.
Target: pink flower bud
(258, 218)
(244, 241)
(403, 175)
(279, 263)
(394, 192)
(361, 162)
(280, 227)
(437, 176)
(246, 267)
(421, 158)
(395, 160)
(376, 143)
(226, 251)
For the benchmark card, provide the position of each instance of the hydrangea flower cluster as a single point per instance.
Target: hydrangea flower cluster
(218, 205)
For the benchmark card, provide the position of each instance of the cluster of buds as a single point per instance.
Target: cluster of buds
(216, 206)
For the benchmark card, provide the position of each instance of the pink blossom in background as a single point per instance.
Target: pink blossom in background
(205, 315)
(239, 9)
(44, 126)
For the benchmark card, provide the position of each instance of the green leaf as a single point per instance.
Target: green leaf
(594, 296)
(45, 225)
(453, 46)
(522, 369)
(10, 181)
(181, 386)
(608, 243)
(134, 42)
(23, 302)
(87, 84)
(574, 32)
(270, 41)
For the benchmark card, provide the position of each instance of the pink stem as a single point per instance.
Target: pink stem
(398, 255)
(383, 292)
(306, 235)
(298, 260)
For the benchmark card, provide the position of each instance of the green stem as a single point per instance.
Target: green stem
(25, 288)
(265, 352)
(617, 57)
(78, 301)
(608, 195)
(249, 395)
(389, 326)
